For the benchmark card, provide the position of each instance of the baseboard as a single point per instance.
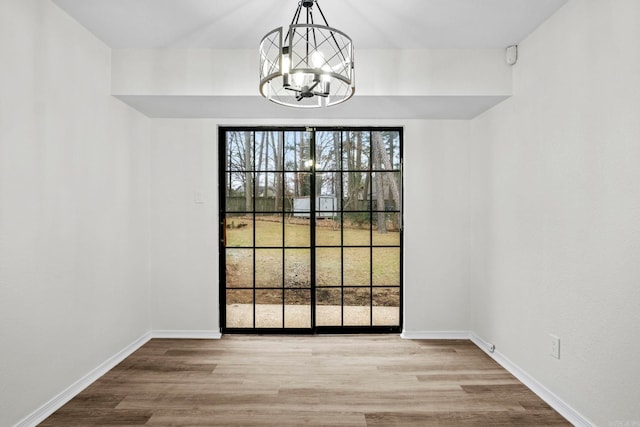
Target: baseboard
(70, 392)
(211, 335)
(545, 394)
(58, 401)
(74, 389)
(435, 335)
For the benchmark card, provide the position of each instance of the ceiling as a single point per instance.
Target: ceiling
(240, 24)
(372, 24)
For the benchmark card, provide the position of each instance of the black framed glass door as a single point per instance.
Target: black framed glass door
(311, 229)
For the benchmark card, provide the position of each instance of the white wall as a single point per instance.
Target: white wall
(184, 243)
(101, 241)
(73, 208)
(184, 234)
(436, 213)
(390, 84)
(556, 224)
(399, 72)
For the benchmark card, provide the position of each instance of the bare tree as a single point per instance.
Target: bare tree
(279, 164)
(337, 144)
(377, 166)
(380, 152)
(353, 150)
(248, 188)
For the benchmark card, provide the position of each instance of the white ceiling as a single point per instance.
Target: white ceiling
(234, 24)
(372, 24)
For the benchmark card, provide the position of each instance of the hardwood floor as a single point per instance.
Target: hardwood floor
(359, 380)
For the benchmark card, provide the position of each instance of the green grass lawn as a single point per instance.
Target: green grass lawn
(349, 266)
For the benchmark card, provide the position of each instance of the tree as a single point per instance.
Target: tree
(279, 163)
(384, 160)
(337, 145)
(352, 150)
(248, 181)
(377, 166)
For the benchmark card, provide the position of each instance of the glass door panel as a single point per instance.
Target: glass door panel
(329, 307)
(357, 306)
(268, 308)
(297, 308)
(311, 232)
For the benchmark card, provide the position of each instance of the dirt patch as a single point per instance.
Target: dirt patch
(382, 297)
(282, 274)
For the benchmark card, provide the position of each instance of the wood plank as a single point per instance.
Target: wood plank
(468, 418)
(358, 380)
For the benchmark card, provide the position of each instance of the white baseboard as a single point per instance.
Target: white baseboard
(211, 335)
(70, 392)
(74, 389)
(435, 335)
(545, 394)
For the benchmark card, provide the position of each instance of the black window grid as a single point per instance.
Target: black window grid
(312, 288)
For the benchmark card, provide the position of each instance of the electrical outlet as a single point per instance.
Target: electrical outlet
(555, 346)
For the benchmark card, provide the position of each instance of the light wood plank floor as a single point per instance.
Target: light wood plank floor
(359, 380)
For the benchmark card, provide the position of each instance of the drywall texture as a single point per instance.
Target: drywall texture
(391, 84)
(73, 208)
(184, 242)
(184, 239)
(399, 72)
(436, 220)
(556, 211)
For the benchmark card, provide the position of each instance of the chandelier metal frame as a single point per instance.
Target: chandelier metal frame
(310, 66)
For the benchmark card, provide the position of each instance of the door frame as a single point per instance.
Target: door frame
(314, 329)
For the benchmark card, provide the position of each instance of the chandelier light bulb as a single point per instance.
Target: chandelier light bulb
(317, 60)
(286, 64)
(298, 78)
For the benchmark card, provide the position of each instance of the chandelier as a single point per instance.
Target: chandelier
(308, 67)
